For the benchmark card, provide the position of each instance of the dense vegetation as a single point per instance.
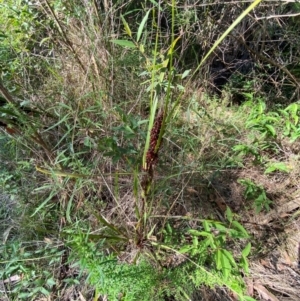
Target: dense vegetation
(149, 150)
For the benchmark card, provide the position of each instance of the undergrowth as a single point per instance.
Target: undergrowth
(115, 160)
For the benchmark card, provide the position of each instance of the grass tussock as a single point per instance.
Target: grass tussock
(126, 177)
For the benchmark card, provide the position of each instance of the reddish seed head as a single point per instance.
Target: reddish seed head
(152, 154)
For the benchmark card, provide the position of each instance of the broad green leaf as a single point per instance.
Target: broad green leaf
(205, 243)
(226, 266)
(154, 2)
(142, 121)
(277, 166)
(246, 250)
(129, 129)
(169, 228)
(212, 243)
(229, 257)
(50, 282)
(23, 295)
(295, 135)
(165, 63)
(194, 251)
(296, 119)
(185, 73)
(87, 141)
(142, 48)
(185, 249)
(199, 233)
(240, 228)
(161, 77)
(124, 43)
(141, 27)
(180, 87)
(240, 147)
(173, 45)
(244, 264)
(284, 112)
(293, 108)
(44, 291)
(127, 28)
(271, 129)
(236, 234)
(206, 226)
(195, 242)
(228, 214)
(220, 227)
(261, 107)
(218, 261)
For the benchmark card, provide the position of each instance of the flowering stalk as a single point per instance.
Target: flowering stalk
(152, 154)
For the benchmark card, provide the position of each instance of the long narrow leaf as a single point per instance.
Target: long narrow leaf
(127, 28)
(246, 250)
(150, 125)
(224, 35)
(43, 204)
(141, 27)
(229, 29)
(124, 43)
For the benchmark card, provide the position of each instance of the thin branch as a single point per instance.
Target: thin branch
(36, 137)
(6, 94)
(63, 34)
(277, 16)
(270, 61)
(197, 4)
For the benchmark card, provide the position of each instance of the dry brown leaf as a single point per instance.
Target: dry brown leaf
(265, 264)
(249, 285)
(282, 211)
(191, 190)
(287, 258)
(13, 278)
(221, 204)
(81, 297)
(264, 293)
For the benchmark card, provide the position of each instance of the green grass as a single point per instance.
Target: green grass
(128, 181)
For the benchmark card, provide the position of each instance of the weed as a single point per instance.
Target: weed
(22, 269)
(257, 194)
